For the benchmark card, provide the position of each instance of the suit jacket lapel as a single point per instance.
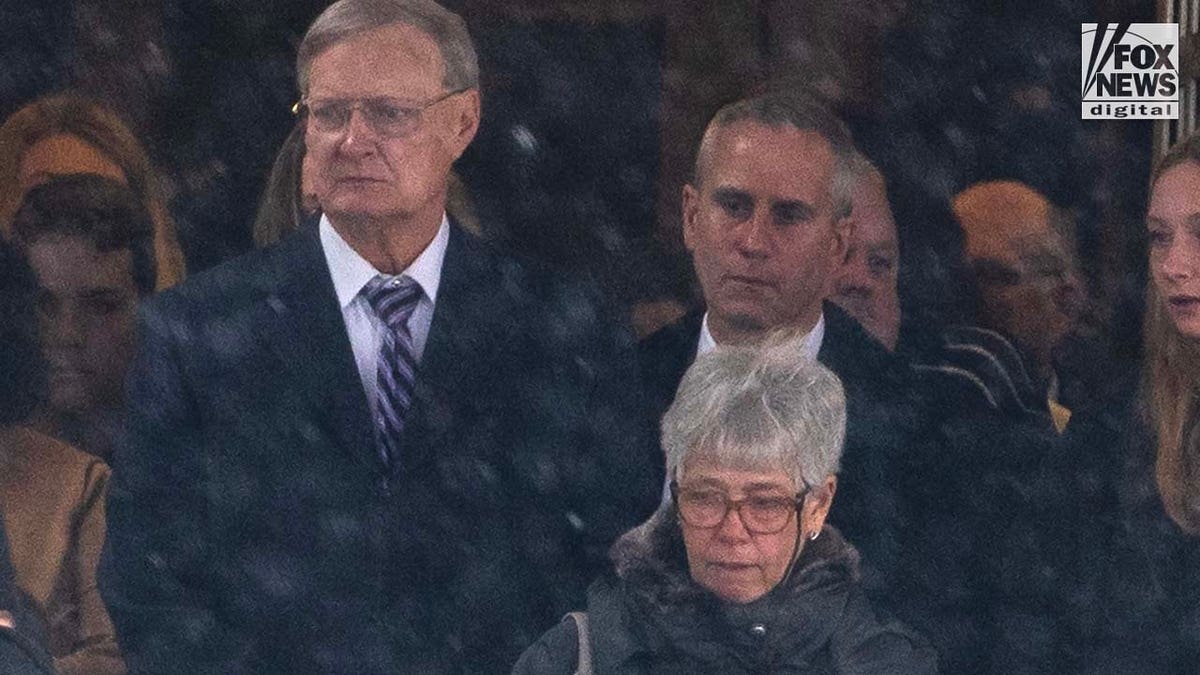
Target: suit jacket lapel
(665, 356)
(310, 338)
(850, 351)
(832, 353)
(453, 344)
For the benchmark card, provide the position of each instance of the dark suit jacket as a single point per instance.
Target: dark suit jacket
(252, 527)
(881, 419)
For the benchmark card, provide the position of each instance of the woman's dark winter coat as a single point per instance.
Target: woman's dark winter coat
(1132, 574)
(651, 618)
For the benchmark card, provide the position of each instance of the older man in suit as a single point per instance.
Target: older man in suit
(380, 446)
(766, 221)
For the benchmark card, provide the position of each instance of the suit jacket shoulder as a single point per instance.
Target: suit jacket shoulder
(487, 289)
(230, 285)
(665, 356)
(855, 357)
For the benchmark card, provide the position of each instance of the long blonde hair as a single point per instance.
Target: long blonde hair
(100, 127)
(1172, 384)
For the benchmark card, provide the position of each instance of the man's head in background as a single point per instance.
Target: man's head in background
(764, 216)
(90, 243)
(866, 285)
(1022, 251)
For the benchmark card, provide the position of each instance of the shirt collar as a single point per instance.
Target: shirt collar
(707, 343)
(810, 344)
(350, 271)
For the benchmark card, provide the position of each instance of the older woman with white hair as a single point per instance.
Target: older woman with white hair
(738, 572)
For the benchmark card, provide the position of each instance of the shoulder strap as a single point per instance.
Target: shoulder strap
(585, 644)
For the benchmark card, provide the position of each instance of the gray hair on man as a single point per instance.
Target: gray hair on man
(762, 407)
(347, 19)
(862, 168)
(792, 109)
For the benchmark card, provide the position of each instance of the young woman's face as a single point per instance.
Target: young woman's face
(1173, 222)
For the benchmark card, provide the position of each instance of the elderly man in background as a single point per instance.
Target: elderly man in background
(1022, 250)
(866, 284)
(380, 446)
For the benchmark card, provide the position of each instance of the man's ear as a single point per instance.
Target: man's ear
(843, 233)
(466, 121)
(691, 211)
(843, 230)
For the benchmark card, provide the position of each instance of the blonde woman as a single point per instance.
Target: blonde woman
(1131, 472)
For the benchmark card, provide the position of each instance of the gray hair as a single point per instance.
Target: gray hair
(348, 19)
(779, 109)
(862, 168)
(864, 172)
(758, 408)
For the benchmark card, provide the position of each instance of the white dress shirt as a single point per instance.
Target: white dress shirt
(810, 344)
(351, 272)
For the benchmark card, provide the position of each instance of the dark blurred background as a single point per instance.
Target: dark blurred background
(593, 110)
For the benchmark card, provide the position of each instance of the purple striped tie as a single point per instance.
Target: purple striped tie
(393, 301)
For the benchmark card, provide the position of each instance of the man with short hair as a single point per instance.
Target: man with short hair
(91, 245)
(765, 219)
(381, 445)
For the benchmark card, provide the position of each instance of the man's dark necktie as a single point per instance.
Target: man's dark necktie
(393, 301)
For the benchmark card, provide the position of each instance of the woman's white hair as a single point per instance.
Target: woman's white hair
(765, 407)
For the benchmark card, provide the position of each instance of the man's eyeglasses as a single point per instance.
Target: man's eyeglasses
(386, 116)
(707, 509)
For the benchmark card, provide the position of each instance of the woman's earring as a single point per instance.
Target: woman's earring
(814, 535)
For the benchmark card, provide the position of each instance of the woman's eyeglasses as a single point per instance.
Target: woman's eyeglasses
(705, 509)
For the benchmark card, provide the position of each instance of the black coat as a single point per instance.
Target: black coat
(1130, 577)
(253, 528)
(651, 618)
(883, 421)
